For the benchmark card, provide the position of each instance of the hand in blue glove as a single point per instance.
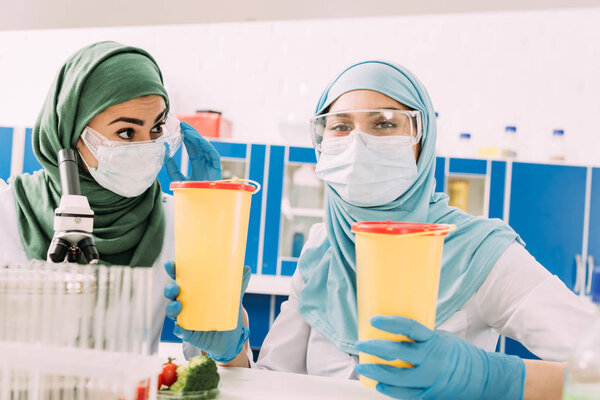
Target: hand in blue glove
(221, 346)
(206, 163)
(445, 366)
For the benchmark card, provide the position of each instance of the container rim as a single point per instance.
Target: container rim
(229, 184)
(402, 228)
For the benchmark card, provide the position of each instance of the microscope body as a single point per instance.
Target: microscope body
(73, 219)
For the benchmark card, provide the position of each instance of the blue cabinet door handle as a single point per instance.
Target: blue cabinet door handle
(579, 285)
(590, 270)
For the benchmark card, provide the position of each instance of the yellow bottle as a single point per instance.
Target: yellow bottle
(458, 191)
(211, 226)
(397, 273)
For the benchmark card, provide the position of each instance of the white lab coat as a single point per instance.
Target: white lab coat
(12, 250)
(519, 299)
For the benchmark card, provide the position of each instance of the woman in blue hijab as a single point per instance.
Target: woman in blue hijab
(489, 283)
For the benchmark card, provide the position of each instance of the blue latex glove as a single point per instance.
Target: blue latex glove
(206, 163)
(445, 366)
(221, 346)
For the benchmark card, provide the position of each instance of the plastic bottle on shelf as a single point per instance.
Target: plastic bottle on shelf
(582, 373)
(440, 147)
(458, 191)
(509, 148)
(307, 190)
(463, 147)
(557, 145)
(297, 243)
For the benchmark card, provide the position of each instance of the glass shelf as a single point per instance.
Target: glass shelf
(467, 192)
(233, 168)
(308, 212)
(301, 207)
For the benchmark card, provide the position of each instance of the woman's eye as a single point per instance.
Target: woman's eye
(157, 130)
(385, 125)
(126, 134)
(340, 128)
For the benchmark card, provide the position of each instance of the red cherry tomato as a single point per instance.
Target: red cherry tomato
(169, 373)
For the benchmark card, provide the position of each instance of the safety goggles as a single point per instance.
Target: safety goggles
(171, 137)
(406, 126)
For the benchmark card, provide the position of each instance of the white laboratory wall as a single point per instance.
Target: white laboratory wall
(538, 70)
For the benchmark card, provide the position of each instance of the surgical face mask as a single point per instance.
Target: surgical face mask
(367, 170)
(129, 169)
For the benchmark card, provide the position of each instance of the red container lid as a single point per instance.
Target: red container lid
(401, 228)
(212, 185)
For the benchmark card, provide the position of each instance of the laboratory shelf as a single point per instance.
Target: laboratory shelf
(289, 212)
(269, 284)
(308, 212)
(466, 175)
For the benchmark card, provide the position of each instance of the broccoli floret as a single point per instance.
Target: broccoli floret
(200, 374)
(182, 371)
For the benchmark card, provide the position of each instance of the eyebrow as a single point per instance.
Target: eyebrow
(370, 114)
(160, 116)
(136, 121)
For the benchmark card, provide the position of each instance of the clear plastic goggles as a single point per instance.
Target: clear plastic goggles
(406, 126)
(171, 137)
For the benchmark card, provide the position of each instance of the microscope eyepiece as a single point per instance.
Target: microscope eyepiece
(58, 249)
(69, 174)
(89, 250)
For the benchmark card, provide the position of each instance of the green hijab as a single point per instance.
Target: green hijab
(127, 231)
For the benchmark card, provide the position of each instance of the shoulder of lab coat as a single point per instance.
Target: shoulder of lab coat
(160, 278)
(522, 300)
(286, 345)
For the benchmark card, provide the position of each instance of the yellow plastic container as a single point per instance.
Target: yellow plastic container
(397, 273)
(211, 227)
(458, 191)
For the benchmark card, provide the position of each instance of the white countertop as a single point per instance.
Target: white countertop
(255, 384)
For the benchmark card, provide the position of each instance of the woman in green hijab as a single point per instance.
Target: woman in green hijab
(108, 101)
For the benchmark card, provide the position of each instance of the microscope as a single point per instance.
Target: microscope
(73, 219)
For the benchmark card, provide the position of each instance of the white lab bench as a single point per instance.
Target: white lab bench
(255, 384)
(250, 384)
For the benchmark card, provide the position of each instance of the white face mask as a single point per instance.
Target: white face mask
(366, 170)
(127, 170)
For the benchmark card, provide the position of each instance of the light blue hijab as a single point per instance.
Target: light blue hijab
(328, 300)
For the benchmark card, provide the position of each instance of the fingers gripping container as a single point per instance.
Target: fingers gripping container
(211, 228)
(73, 332)
(397, 273)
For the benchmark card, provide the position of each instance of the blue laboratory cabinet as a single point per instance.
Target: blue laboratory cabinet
(593, 253)
(550, 207)
(547, 207)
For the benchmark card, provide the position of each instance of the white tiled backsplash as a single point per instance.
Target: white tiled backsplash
(538, 70)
